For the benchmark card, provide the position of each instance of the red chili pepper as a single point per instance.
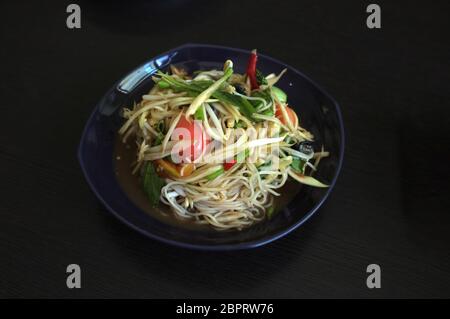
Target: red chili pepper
(251, 70)
(229, 164)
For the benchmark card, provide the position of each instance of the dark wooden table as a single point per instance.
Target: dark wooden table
(390, 205)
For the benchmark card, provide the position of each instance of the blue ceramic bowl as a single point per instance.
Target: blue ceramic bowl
(318, 112)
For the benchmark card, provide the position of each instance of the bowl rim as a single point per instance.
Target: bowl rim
(221, 247)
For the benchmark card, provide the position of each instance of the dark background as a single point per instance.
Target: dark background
(389, 207)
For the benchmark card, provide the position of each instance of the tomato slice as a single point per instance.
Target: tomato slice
(229, 164)
(291, 114)
(190, 129)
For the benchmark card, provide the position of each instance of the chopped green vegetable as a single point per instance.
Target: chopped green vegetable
(270, 210)
(265, 166)
(158, 139)
(152, 184)
(240, 157)
(160, 127)
(175, 83)
(298, 165)
(244, 106)
(217, 173)
(240, 124)
(268, 112)
(262, 94)
(200, 113)
(260, 78)
(163, 84)
(281, 96)
(265, 95)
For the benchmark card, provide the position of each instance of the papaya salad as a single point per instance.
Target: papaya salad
(217, 146)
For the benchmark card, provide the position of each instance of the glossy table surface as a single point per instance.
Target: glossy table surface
(390, 205)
